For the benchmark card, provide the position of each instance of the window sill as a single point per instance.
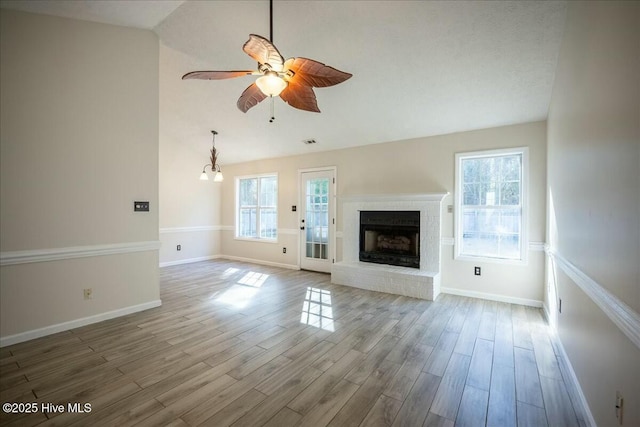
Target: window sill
(255, 239)
(506, 261)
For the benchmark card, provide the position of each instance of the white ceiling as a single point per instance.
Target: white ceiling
(420, 68)
(129, 13)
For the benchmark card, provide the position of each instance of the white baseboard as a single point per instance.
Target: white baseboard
(261, 262)
(189, 260)
(546, 313)
(72, 324)
(492, 297)
(591, 422)
(230, 258)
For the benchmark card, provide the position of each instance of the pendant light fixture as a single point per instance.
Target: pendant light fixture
(215, 167)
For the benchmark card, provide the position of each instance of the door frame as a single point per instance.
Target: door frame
(332, 211)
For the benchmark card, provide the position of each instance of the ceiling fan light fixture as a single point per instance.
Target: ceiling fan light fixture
(203, 176)
(293, 80)
(271, 84)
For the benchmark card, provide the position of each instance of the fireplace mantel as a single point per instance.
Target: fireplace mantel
(425, 197)
(422, 283)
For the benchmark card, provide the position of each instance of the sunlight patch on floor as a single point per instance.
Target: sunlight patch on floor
(254, 279)
(316, 309)
(241, 294)
(238, 296)
(229, 271)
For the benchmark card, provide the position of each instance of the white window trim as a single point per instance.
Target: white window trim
(237, 210)
(524, 230)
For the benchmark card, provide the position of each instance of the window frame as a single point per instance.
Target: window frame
(524, 205)
(257, 238)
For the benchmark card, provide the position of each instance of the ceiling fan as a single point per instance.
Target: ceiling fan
(292, 79)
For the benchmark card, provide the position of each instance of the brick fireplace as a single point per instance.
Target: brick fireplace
(418, 274)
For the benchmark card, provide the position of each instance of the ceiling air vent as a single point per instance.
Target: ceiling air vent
(309, 141)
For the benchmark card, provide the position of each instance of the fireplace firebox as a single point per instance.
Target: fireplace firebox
(390, 237)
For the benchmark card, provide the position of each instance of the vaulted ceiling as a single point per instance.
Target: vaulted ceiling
(420, 68)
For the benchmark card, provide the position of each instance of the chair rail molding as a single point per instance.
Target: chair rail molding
(623, 316)
(56, 254)
(166, 230)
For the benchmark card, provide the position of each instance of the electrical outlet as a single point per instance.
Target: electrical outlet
(88, 293)
(179, 248)
(284, 250)
(619, 407)
(476, 271)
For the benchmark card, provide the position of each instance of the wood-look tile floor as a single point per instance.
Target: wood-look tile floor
(238, 344)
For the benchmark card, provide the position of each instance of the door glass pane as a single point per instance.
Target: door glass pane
(317, 218)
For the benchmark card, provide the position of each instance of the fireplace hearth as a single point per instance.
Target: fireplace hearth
(390, 237)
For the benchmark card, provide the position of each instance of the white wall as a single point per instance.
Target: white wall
(79, 144)
(189, 208)
(594, 201)
(420, 165)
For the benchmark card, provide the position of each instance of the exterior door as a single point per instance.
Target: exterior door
(317, 220)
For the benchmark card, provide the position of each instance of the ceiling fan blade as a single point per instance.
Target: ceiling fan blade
(251, 97)
(263, 51)
(300, 96)
(216, 75)
(313, 73)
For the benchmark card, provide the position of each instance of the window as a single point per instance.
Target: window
(491, 205)
(257, 207)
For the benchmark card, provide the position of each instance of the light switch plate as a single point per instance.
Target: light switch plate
(141, 206)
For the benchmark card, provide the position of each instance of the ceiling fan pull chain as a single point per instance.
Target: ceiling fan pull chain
(273, 116)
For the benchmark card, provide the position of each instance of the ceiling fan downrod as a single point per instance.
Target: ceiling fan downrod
(273, 117)
(271, 21)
